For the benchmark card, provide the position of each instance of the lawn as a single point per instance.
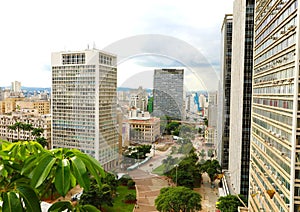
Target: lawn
(119, 205)
(159, 170)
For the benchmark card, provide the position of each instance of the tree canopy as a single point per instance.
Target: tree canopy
(230, 203)
(178, 199)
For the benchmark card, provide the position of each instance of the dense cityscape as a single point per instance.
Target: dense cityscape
(195, 140)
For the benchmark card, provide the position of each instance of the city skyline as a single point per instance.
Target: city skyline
(44, 31)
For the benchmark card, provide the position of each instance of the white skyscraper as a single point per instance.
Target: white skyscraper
(84, 87)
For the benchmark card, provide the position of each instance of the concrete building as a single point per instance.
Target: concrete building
(222, 145)
(142, 129)
(28, 117)
(84, 91)
(168, 93)
(241, 95)
(9, 105)
(139, 98)
(275, 130)
(16, 86)
(42, 106)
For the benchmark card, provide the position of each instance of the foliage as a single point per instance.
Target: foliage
(120, 200)
(138, 152)
(187, 173)
(131, 184)
(169, 163)
(130, 198)
(205, 121)
(178, 199)
(212, 168)
(97, 195)
(230, 203)
(124, 179)
(29, 173)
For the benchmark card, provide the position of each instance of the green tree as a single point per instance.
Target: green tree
(230, 203)
(187, 173)
(28, 128)
(178, 199)
(212, 168)
(17, 126)
(30, 173)
(97, 195)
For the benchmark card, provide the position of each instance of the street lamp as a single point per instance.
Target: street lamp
(176, 166)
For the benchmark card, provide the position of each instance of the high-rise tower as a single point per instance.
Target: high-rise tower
(241, 95)
(224, 94)
(84, 87)
(275, 134)
(168, 93)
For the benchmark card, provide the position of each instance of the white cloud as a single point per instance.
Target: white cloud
(31, 30)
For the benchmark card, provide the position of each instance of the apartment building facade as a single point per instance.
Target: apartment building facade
(275, 139)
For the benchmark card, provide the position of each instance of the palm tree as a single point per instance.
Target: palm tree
(28, 128)
(37, 132)
(16, 127)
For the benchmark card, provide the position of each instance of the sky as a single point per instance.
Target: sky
(32, 29)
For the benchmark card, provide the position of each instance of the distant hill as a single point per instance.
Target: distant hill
(128, 89)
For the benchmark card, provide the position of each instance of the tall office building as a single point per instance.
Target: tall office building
(16, 86)
(241, 95)
(168, 93)
(222, 144)
(84, 87)
(275, 139)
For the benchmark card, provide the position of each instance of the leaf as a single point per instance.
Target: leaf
(93, 167)
(30, 198)
(11, 202)
(29, 164)
(61, 206)
(42, 170)
(79, 172)
(62, 177)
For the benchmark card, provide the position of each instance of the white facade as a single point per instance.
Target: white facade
(84, 95)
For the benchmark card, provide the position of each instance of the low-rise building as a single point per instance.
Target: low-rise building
(142, 129)
(24, 116)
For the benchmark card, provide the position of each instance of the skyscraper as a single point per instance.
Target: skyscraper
(224, 94)
(168, 93)
(241, 95)
(84, 87)
(275, 132)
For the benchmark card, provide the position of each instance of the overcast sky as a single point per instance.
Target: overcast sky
(31, 30)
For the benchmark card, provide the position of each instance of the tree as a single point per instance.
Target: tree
(178, 199)
(16, 127)
(29, 173)
(187, 173)
(230, 203)
(97, 195)
(212, 168)
(28, 128)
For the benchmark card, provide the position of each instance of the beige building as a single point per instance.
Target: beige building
(142, 129)
(28, 117)
(42, 106)
(275, 128)
(8, 105)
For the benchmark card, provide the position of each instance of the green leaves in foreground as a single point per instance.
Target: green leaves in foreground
(66, 168)
(12, 200)
(66, 205)
(29, 173)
